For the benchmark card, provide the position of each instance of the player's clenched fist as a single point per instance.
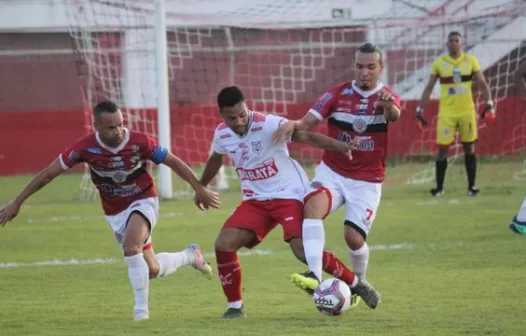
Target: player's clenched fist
(205, 198)
(386, 99)
(8, 212)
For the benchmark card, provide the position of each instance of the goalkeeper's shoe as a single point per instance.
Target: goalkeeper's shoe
(199, 261)
(473, 191)
(370, 296)
(307, 281)
(435, 192)
(518, 227)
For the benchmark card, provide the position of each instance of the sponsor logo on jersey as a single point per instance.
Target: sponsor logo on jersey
(347, 92)
(256, 129)
(362, 106)
(94, 150)
(343, 109)
(135, 148)
(359, 125)
(257, 147)
(366, 142)
(122, 191)
(268, 170)
(224, 136)
(116, 158)
(321, 102)
(119, 164)
(364, 101)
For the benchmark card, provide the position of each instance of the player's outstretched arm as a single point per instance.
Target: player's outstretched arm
(206, 197)
(307, 123)
(324, 142)
(212, 167)
(10, 210)
(520, 84)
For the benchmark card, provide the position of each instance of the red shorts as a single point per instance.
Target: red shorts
(261, 217)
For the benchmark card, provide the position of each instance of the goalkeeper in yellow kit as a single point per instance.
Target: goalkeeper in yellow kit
(456, 72)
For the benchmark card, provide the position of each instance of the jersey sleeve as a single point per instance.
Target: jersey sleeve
(322, 107)
(435, 68)
(154, 151)
(72, 155)
(475, 64)
(217, 146)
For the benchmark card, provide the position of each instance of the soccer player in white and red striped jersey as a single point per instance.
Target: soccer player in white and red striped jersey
(359, 109)
(117, 158)
(273, 187)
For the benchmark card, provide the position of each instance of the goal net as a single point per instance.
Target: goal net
(284, 54)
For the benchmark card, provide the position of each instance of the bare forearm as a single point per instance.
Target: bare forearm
(425, 97)
(392, 113)
(486, 92)
(184, 172)
(37, 183)
(317, 140)
(212, 167)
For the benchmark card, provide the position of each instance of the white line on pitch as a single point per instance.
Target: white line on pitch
(256, 252)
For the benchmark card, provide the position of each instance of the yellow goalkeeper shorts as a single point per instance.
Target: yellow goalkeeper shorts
(449, 123)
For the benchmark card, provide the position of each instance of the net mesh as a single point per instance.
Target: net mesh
(284, 54)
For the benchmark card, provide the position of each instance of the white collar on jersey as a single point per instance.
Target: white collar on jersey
(367, 94)
(118, 148)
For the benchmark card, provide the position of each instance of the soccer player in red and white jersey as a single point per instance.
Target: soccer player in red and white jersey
(273, 187)
(361, 109)
(117, 158)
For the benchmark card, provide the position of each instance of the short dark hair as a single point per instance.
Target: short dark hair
(454, 33)
(369, 48)
(229, 96)
(105, 106)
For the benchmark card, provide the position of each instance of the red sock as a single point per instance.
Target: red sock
(336, 268)
(229, 271)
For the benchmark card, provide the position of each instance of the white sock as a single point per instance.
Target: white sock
(235, 304)
(313, 244)
(521, 216)
(360, 260)
(138, 275)
(170, 262)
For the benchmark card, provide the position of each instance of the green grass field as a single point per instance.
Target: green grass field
(445, 266)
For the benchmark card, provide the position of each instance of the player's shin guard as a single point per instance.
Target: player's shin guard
(336, 268)
(313, 244)
(138, 275)
(470, 161)
(360, 260)
(229, 270)
(441, 167)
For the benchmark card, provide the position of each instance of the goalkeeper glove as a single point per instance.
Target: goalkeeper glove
(489, 112)
(421, 122)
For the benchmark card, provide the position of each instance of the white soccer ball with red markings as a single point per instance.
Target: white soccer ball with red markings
(332, 297)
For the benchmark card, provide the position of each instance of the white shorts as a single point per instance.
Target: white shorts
(361, 198)
(148, 207)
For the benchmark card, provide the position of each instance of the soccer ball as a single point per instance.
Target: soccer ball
(332, 297)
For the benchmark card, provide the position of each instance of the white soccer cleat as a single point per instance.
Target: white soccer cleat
(199, 261)
(140, 315)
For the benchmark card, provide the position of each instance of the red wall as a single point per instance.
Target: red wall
(30, 140)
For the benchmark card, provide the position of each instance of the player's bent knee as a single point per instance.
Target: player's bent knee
(355, 237)
(132, 249)
(231, 239)
(317, 206)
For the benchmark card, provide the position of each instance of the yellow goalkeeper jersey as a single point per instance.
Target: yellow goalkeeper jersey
(456, 77)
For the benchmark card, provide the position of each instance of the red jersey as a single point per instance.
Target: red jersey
(120, 174)
(351, 113)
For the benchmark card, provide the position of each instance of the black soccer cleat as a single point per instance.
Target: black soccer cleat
(234, 313)
(435, 192)
(473, 191)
